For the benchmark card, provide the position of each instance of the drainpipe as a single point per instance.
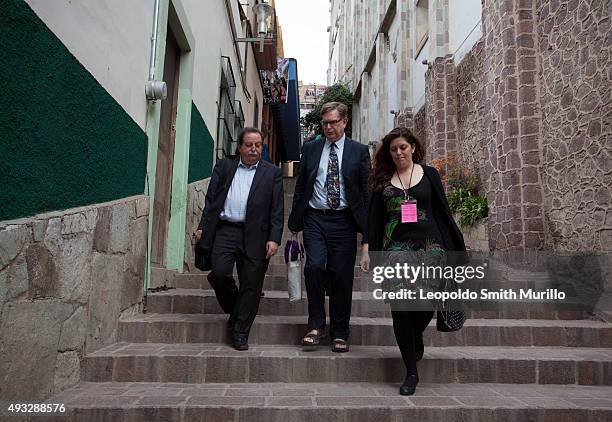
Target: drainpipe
(155, 90)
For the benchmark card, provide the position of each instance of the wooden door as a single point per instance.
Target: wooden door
(165, 152)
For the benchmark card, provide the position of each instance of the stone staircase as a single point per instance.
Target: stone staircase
(175, 363)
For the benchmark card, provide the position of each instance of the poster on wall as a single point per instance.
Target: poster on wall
(275, 82)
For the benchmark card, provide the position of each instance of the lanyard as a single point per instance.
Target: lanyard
(404, 190)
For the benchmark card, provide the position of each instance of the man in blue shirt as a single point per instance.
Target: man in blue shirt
(242, 224)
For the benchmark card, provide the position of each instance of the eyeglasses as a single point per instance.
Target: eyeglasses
(330, 122)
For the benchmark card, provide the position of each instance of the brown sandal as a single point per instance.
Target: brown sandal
(313, 338)
(340, 346)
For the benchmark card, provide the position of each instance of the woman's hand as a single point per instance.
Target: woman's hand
(364, 261)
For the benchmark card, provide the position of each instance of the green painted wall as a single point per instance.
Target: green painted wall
(64, 141)
(201, 146)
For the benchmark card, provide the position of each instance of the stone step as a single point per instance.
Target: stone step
(200, 328)
(337, 402)
(208, 362)
(194, 301)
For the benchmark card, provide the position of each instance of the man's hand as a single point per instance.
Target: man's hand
(198, 235)
(364, 261)
(271, 248)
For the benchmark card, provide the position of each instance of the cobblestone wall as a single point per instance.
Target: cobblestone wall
(441, 108)
(575, 51)
(532, 112)
(65, 280)
(512, 149)
(419, 128)
(196, 193)
(471, 130)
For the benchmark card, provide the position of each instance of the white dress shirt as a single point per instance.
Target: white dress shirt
(234, 209)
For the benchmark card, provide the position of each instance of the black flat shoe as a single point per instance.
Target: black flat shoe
(409, 386)
(420, 348)
(241, 342)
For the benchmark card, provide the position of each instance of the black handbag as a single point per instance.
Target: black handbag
(447, 319)
(450, 320)
(202, 258)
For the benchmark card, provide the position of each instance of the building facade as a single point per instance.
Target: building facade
(377, 48)
(102, 188)
(309, 96)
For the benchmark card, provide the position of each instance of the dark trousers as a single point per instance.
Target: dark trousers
(330, 242)
(408, 326)
(240, 303)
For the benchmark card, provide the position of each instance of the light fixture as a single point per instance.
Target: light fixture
(263, 12)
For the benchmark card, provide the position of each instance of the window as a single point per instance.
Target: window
(422, 25)
(226, 120)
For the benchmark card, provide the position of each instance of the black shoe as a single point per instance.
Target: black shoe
(409, 386)
(420, 348)
(241, 342)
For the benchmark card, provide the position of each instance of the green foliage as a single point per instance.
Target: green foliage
(456, 197)
(472, 209)
(463, 190)
(337, 92)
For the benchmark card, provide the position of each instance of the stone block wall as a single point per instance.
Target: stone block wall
(531, 104)
(511, 153)
(419, 128)
(575, 80)
(196, 192)
(65, 280)
(441, 108)
(471, 130)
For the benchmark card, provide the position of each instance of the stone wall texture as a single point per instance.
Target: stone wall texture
(196, 192)
(575, 81)
(471, 130)
(419, 127)
(441, 108)
(65, 280)
(531, 104)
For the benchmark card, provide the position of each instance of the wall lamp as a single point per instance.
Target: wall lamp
(263, 12)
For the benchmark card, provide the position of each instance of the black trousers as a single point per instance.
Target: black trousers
(241, 303)
(330, 240)
(408, 326)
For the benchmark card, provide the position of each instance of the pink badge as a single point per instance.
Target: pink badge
(409, 212)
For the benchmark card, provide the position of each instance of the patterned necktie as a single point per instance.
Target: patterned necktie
(332, 182)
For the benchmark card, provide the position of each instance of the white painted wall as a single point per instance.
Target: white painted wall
(213, 40)
(373, 110)
(465, 26)
(393, 74)
(111, 39)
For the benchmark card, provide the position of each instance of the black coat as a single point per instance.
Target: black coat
(355, 171)
(264, 213)
(451, 235)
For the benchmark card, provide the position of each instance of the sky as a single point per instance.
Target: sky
(305, 36)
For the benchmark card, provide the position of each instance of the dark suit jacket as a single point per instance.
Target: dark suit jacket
(451, 235)
(264, 213)
(355, 170)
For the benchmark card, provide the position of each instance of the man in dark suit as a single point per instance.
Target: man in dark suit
(330, 205)
(242, 223)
